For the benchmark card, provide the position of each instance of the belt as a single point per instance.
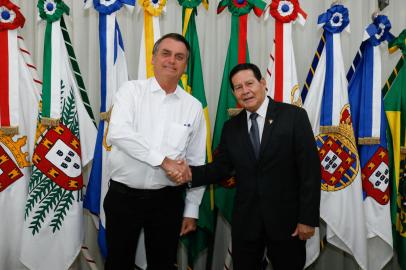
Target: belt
(124, 189)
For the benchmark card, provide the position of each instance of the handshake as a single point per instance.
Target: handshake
(177, 170)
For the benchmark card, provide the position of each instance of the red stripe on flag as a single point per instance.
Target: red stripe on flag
(4, 80)
(278, 61)
(242, 39)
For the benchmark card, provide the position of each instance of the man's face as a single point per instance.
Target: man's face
(170, 60)
(249, 92)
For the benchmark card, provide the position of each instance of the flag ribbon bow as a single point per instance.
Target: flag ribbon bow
(239, 10)
(334, 21)
(192, 3)
(378, 31)
(152, 8)
(51, 11)
(10, 20)
(285, 11)
(10, 16)
(110, 7)
(282, 60)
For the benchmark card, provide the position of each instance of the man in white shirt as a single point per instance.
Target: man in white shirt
(153, 124)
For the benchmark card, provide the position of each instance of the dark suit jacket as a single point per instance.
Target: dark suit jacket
(282, 187)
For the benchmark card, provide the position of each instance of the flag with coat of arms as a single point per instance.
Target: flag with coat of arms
(369, 124)
(53, 229)
(329, 112)
(113, 73)
(19, 97)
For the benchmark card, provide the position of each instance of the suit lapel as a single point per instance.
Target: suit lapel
(271, 117)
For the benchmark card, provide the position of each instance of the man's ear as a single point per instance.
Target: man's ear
(153, 59)
(263, 82)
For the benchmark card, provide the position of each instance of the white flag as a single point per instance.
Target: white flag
(53, 229)
(19, 99)
(327, 105)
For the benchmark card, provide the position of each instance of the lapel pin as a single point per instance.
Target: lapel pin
(270, 121)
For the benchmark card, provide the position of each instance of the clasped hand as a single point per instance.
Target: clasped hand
(177, 170)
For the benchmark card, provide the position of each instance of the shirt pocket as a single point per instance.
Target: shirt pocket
(178, 136)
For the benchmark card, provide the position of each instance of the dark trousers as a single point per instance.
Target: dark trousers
(248, 248)
(128, 210)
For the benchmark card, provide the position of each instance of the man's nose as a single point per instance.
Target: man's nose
(172, 59)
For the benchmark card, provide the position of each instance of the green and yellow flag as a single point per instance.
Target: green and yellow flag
(395, 108)
(192, 82)
(237, 53)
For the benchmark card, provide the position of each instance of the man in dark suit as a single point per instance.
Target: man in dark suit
(270, 149)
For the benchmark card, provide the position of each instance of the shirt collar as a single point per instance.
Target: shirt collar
(156, 87)
(261, 110)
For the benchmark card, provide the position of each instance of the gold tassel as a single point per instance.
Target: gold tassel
(403, 151)
(50, 121)
(369, 140)
(105, 116)
(9, 131)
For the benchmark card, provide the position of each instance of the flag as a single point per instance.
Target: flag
(192, 81)
(150, 34)
(64, 143)
(395, 109)
(281, 76)
(369, 124)
(19, 97)
(327, 106)
(113, 72)
(237, 53)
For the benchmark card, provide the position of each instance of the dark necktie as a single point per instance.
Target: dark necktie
(254, 134)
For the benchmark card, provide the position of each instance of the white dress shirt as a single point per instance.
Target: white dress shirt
(147, 125)
(261, 117)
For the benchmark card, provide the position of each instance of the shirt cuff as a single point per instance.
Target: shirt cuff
(154, 158)
(191, 210)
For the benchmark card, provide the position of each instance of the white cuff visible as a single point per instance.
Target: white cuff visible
(154, 158)
(191, 210)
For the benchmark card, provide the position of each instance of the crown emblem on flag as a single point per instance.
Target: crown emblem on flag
(10, 16)
(9, 170)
